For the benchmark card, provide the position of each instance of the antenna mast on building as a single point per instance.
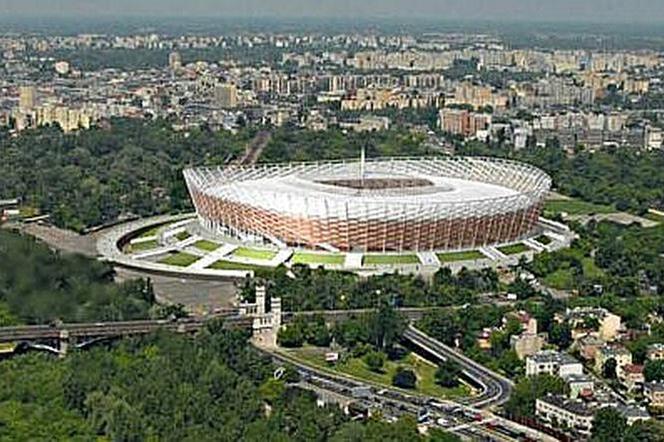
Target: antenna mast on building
(362, 160)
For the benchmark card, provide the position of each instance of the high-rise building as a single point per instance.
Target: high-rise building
(463, 122)
(225, 95)
(27, 98)
(175, 61)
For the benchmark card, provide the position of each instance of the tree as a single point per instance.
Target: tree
(316, 331)
(385, 327)
(271, 390)
(608, 425)
(560, 335)
(448, 374)
(527, 390)
(510, 363)
(654, 371)
(440, 435)
(609, 368)
(645, 431)
(404, 378)
(38, 285)
(375, 360)
(290, 336)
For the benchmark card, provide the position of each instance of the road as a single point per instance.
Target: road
(495, 388)
(466, 421)
(255, 148)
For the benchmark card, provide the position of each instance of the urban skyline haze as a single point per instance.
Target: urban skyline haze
(599, 11)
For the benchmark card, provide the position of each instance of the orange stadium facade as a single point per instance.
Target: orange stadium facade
(381, 205)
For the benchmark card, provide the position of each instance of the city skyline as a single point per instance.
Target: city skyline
(593, 11)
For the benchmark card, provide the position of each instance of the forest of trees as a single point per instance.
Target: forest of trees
(320, 289)
(171, 387)
(628, 260)
(38, 285)
(292, 144)
(97, 175)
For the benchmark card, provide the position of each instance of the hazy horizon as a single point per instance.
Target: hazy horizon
(568, 11)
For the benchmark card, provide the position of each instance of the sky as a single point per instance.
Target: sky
(596, 11)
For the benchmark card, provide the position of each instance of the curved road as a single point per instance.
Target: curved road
(496, 389)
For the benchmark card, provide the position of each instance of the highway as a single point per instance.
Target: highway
(495, 388)
(465, 420)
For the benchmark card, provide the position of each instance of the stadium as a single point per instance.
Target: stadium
(378, 205)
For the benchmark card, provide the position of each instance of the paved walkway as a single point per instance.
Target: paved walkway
(538, 247)
(428, 258)
(211, 257)
(492, 253)
(353, 260)
(281, 258)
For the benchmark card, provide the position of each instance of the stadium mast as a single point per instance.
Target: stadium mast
(362, 160)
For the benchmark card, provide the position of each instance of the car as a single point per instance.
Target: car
(441, 421)
(423, 415)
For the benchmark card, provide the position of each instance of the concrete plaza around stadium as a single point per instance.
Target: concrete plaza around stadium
(411, 215)
(179, 245)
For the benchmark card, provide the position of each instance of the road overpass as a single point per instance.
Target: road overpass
(495, 389)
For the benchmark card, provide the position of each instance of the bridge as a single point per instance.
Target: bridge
(80, 335)
(495, 389)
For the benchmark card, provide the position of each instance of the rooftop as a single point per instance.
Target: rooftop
(552, 356)
(657, 387)
(574, 406)
(611, 350)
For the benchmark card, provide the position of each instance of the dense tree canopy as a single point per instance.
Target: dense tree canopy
(94, 176)
(527, 390)
(38, 285)
(290, 144)
(305, 289)
(169, 387)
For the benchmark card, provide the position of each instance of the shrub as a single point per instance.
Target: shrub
(404, 378)
(375, 360)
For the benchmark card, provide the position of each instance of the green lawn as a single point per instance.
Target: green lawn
(590, 268)
(576, 207)
(180, 259)
(152, 231)
(142, 246)
(468, 255)
(28, 211)
(259, 254)
(543, 239)
(183, 235)
(562, 279)
(228, 265)
(356, 367)
(207, 246)
(390, 259)
(514, 249)
(317, 258)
